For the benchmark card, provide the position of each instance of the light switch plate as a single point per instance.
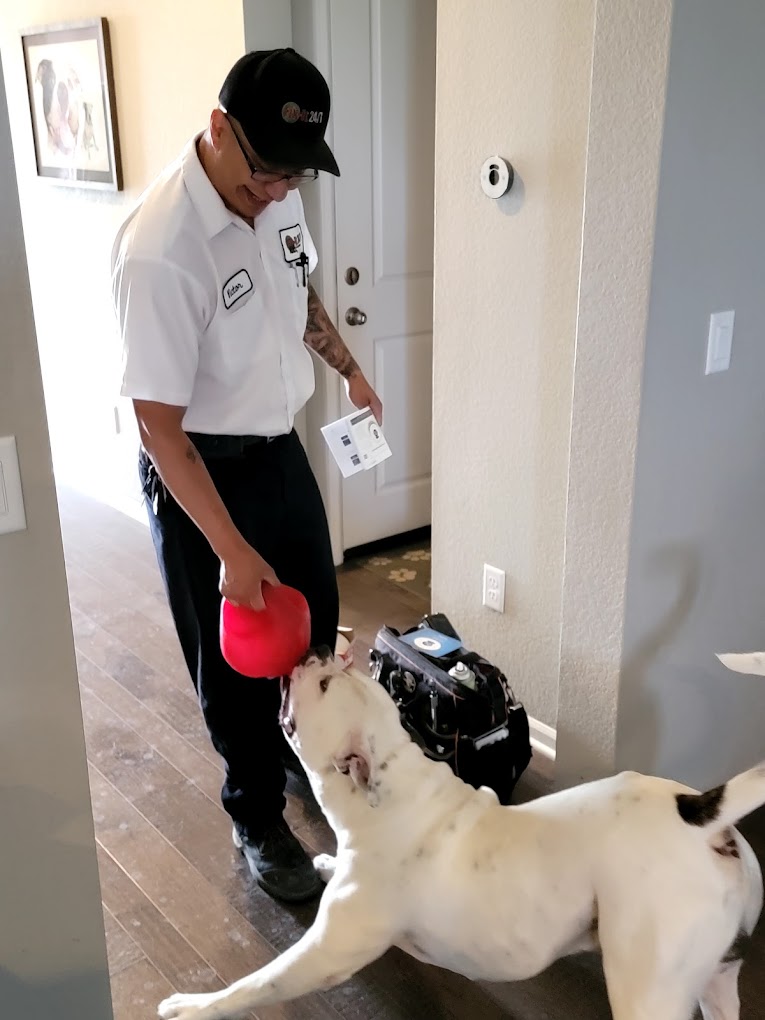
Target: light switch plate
(720, 341)
(12, 516)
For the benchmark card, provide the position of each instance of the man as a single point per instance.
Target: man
(210, 284)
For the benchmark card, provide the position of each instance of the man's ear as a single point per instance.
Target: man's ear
(217, 127)
(357, 761)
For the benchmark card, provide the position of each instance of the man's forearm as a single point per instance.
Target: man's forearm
(322, 337)
(184, 473)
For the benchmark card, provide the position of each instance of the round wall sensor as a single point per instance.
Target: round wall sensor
(496, 177)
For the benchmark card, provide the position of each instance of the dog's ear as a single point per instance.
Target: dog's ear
(357, 761)
(321, 655)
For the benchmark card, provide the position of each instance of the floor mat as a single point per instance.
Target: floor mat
(408, 567)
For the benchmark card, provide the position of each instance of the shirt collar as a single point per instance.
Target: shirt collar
(208, 203)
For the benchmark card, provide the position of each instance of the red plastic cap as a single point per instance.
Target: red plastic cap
(268, 642)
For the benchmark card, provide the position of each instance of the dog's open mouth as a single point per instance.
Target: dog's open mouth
(286, 715)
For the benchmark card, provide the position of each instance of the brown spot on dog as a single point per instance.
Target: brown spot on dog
(739, 948)
(702, 808)
(728, 847)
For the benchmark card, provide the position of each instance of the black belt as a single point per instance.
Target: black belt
(210, 446)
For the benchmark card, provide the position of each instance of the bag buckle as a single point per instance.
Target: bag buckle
(494, 736)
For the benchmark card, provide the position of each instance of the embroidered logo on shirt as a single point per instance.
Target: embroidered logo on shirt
(235, 288)
(292, 243)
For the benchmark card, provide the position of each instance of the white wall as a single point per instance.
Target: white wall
(513, 77)
(170, 59)
(52, 952)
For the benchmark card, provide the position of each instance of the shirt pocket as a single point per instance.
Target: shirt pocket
(290, 275)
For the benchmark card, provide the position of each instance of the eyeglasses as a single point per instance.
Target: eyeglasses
(268, 177)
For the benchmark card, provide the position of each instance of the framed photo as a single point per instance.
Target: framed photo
(70, 82)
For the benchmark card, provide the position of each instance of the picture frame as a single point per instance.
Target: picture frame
(70, 86)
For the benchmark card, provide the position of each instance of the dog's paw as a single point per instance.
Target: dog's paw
(325, 865)
(187, 1007)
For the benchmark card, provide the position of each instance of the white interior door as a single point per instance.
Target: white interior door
(383, 89)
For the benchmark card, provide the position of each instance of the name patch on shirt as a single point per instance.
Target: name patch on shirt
(235, 288)
(292, 243)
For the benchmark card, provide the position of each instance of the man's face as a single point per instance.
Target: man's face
(246, 193)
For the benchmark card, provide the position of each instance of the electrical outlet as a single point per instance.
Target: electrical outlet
(494, 588)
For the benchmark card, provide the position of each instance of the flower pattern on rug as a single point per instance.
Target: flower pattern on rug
(408, 566)
(402, 575)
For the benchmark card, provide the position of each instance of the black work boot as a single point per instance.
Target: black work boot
(278, 863)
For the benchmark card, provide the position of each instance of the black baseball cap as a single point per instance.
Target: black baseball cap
(282, 103)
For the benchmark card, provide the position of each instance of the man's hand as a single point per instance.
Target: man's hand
(242, 569)
(361, 394)
(242, 574)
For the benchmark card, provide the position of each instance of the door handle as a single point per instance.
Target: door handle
(355, 317)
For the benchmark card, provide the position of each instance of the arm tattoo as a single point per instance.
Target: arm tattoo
(322, 337)
(191, 454)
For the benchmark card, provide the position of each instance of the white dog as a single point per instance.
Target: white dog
(645, 870)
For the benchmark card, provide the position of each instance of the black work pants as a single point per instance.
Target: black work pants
(271, 494)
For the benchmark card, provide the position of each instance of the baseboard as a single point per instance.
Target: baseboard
(543, 738)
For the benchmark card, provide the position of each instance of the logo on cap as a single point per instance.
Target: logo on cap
(291, 113)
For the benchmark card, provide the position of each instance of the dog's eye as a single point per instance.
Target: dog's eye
(324, 683)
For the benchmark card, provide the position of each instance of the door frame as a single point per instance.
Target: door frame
(311, 23)
(312, 35)
(311, 28)
(306, 24)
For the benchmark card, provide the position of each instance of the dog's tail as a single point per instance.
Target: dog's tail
(725, 805)
(745, 662)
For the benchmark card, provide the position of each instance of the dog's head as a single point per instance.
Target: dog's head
(342, 725)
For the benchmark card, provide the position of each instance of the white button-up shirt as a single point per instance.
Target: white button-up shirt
(213, 312)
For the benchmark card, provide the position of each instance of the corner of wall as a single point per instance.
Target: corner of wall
(629, 79)
(53, 958)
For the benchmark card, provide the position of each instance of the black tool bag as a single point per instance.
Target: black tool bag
(480, 730)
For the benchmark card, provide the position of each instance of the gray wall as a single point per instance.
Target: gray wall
(52, 952)
(267, 24)
(696, 581)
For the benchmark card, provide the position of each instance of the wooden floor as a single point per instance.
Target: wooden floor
(180, 910)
